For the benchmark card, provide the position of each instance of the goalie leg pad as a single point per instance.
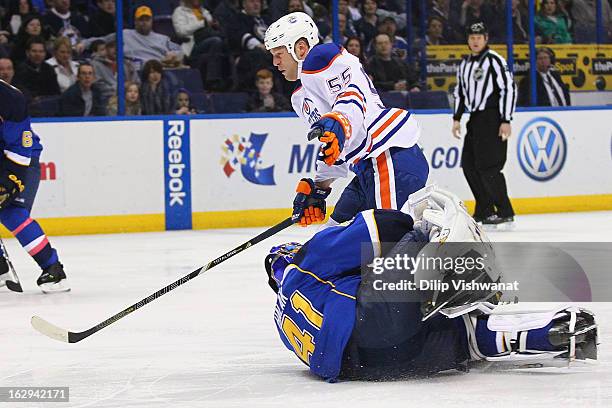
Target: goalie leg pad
(513, 333)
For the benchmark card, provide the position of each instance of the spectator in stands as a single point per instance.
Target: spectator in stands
(65, 68)
(247, 33)
(155, 97)
(204, 46)
(435, 31)
(390, 73)
(31, 28)
(552, 27)
(183, 103)
(354, 10)
(4, 42)
(34, 74)
(102, 21)
(388, 25)
(367, 26)
(550, 88)
(15, 15)
(343, 10)
(473, 11)
(105, 66)
(344, 30)
(354, 46)
(98, 49)
(143, 44)
(264, 100)
(520, 26)
(63, 22)
(83, 98)
(585, 20)
(132, 101)
(7, 71)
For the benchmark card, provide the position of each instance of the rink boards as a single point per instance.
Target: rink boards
(215, 171)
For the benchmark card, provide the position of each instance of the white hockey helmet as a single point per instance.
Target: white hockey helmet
(287, 30)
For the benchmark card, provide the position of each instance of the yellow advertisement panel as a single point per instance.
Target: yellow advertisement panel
(584, 67)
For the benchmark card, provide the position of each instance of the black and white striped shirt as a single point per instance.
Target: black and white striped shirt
(484, 81)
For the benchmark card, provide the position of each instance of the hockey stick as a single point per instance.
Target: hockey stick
(12, 282)
(60, 334)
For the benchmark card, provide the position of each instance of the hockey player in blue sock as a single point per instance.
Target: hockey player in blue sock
(19, 180)
(330, 314)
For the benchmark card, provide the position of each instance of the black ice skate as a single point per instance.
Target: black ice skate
(53, 279)
(578, 336)
(495, 222)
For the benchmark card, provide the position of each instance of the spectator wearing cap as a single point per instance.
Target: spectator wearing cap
(143, 44)
(550, 88)
(552, 26)
(105, 66)
(264, 99)
(155, 97)
(102, 20)
(390, 73)
(65, 68)
(66, 23)
(388, 25)
(83, 98)
(34, 73)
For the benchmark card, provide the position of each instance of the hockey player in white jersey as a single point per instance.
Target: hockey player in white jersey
(338, 100)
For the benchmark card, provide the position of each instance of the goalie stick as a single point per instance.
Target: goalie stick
(12, 280)
(57, 333)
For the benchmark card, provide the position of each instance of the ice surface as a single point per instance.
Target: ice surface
(212, 342)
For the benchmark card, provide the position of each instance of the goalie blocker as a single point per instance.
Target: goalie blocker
(342, 329)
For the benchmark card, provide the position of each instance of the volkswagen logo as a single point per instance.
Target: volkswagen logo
(541, 149)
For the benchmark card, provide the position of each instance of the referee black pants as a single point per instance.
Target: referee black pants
(482, 160)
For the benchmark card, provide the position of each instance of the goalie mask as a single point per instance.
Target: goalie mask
(458, 253)
(277, 260)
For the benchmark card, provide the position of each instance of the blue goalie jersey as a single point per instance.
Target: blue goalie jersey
(315, 307)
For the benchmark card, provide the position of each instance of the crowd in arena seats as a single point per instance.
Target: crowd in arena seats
(182, 54)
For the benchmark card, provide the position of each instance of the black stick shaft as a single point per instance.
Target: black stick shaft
(75, 337)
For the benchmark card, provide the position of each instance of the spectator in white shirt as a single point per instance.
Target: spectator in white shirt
(65, 68)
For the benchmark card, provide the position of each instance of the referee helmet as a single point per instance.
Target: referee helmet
(477, 28)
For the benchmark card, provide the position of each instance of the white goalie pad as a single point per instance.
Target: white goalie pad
(512, 323)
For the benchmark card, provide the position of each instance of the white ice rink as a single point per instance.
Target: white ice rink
(212, 342)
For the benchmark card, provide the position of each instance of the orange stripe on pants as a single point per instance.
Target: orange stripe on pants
(383, 176)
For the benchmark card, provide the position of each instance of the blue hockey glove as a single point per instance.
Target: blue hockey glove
(309, 203)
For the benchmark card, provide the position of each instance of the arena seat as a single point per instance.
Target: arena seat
(230, 102)
(45, 107)
(189, 79)
(200, 101)
(394, 99)
(428, 100)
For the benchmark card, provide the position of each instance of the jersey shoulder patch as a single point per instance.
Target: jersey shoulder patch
(320, 58)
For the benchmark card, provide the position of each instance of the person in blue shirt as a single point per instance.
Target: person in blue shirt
(329, 313)
(19, 180)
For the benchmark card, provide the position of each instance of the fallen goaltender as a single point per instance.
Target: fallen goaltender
(329, 315)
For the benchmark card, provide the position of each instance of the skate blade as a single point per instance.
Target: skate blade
(506, 226)
(61, 286)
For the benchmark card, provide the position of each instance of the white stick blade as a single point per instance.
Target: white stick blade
(49, 330)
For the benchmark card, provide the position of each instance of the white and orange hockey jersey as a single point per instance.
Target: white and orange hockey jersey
(334, 80)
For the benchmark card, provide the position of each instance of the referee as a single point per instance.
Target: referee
(486, 89)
